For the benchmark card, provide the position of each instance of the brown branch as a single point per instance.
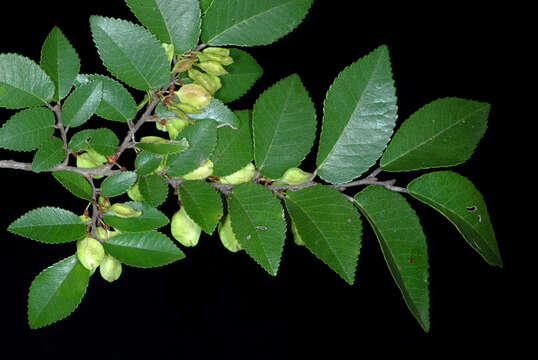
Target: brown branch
(98, 171)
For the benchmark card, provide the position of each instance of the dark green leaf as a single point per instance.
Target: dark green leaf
(329, 225)
(82, 104)
(143, 249)
(75, 183)
(258, 224)
(23, 83)
(60, 61)
(49, 155)
(202, 203)
(50, 225)
(150, 219)
(56, 292)
(360, 114)
(442, 133)
(118, 184)
(283, 127)
(205, 4)
(27, 130)
(219, 112)
(146, 163)
(242, 74)
(249, 23)
(80, 141)
(403, 244)
(130, 53)
(459, 201)
(164, 148)
(154, 189)
(104, 141)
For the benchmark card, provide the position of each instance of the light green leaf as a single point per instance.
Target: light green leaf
(258, 224)
(164, 148)
(249, 23)
(56, 292)
(117, 104)
(150, 219)
(27, 130)
(23, 83)
(104, 141)
(80, 141)
(202, 138)
(130, 53)
(217, 111)
(117, 184)
(82, 104)
(242, 74)
(60, 61)
(234, 147)
(49, 155)
(143, 249)
(459, 201)
(329, 226)
(146, 163)
(360, 114)
(403, 244)
(443, 133)
(154, 189)
(283, 127)
(49, 225)
(75, 183)
(202, 203)
(174, 22)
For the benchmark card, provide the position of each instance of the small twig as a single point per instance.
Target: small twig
(95, 210)
(98, 171)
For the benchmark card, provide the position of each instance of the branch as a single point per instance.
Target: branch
(99, 171)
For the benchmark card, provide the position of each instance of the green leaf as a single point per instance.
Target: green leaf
(146, 163)
(60, 61)
(234, 147)
(205, 4)
(403, 244)
(150, 219)
(154, 189)
(242, 74)
(49, 225)
(249, 23)
(455, 197)
(79, 141)
(329, 225)
(443, 133)
(117, 104)
(164, 148)
(202, 203)
(49, 155)
(82, 104)
(75, 183)
(258, 224)
(217, 111)
(283, 127)
(104, 141)
(130, 53)
(202, 138)
(359, 118)
(27, 130)
(56, 292)
(143, 249)
(174, 22)
(23, 83)
(118, 184)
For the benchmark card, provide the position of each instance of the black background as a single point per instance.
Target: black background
(215, 304)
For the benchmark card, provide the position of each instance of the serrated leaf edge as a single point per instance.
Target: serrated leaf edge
(250, 85)
(18, 112)
(67, 188)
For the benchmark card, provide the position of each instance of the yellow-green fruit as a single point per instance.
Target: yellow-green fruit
(90, 253)
(85, 161)
(212, 68)
(175, 125)
(153, 139)
(216, 51)
(85, 218)
(124, 211)
(244, 175)
(160, 126)
(97, 158)
(184, 230)
(134, 193)
(110, 268)
(227, 237)
(226, 60)
(295, 176)
(187, 109)
(210, 82)
(194, 95)
(183, 65)
(296, 237)
(201, 173)
(104, 202)
(104, 235)
(169, 50)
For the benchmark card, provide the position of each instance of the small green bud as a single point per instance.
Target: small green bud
(194, 95)
(244, 175)
(201, 173)
(210, 82)
(296, 237)
(110, 268)
(183, 65)
(134, 193)
(174, 126)
(169, 50)
(90, 253)
(294, 176)
(124, 211)
(85, 161)
(217, 51)
(227, 237)
(97, 158)
(104, 202)
(85, 218)
(212, 67)
(184, 230)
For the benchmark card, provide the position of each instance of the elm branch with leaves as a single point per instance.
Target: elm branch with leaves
(234, 172)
